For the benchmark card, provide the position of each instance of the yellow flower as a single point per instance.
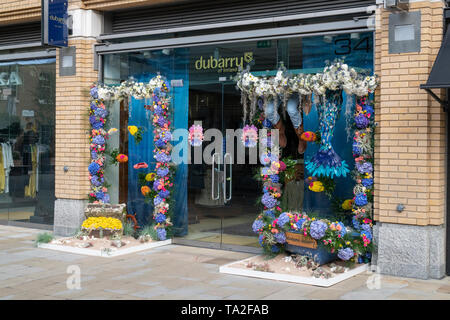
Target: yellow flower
(150, 176)
(316, 186)
(133, 130)
(102, 222)
(112, 130)
(347, 204)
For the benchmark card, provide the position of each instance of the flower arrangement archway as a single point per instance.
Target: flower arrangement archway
(325, 90)
(158, 184)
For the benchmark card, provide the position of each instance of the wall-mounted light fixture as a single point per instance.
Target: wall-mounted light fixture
(396, 5)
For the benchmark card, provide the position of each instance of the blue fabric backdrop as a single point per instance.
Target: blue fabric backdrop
(172, 66)
(359, 54)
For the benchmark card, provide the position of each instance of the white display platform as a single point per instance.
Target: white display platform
(104, 253)
(338, 277)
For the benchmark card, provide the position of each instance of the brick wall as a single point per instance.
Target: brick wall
(410, 138)
(72, 124)
(19, 11)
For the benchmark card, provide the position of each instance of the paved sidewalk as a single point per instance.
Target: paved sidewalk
(170, 272)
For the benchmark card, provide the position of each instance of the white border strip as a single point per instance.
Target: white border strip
(101, 253)
(291, 278)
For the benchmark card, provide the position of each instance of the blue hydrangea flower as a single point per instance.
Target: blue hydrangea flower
(257, 225)
(94, 168)
(92, 119)
(95, 181)
(157, 200)
(162, 157)
(161, 233)
(106, 198)
(100, 112)
(93, 155)
(275, 178)
(367, 182)
(261, 240)
(268, 201)
(275, 249)
(317, 229)
(360, 199)
(367, 234)
(267, 124)
(269, 213)
(97, 125)
(162, 172)
(300, 223)
(99, 140)
(164, 194)
(99, 195)
(343, 229)
(94, 93)
(356, 149)
(368, 109)
(283, 219)
(361, 121)
(356, 223)
(160, 218)
(160, 143)
(345, 254)
(365, 167)
(280, 237)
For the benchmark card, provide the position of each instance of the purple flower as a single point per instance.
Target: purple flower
(161, 233)
(356, 149)
(360, 199)
(268, 201)
(280, 237)
(368, 109)
(98, 140)
(365, 167)
(157, 200)
(100, 112)
(94, 168)
(257, 225)
(164, 194)
(99, 195)
(161, 121)
(162, 157)
(93, 155)
(317, 229)
(261, 240)
(361, 121)
(283, 219)
(356, 223)
(269, 213)
(160, 218)
(167, 136)
(275, 178)
(156, 185)
(92, 120)
(96, 181)
(345, 254)
(162, 172)
(160, 143)
(159, 110)
(94, 93)
(106, 198)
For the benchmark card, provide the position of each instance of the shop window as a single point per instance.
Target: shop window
(27, 131)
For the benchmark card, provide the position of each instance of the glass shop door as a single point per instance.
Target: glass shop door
(222, 195)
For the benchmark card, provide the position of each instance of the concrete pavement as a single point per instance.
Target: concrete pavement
(171, 272)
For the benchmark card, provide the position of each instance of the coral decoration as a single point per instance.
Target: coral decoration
(122, 158)
(141, 165)
(308, 136)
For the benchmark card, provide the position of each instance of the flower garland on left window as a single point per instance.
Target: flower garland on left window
(98, 136)
(158, 184)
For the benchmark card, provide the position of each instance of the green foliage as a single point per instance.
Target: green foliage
(43, 238)
(113, 154)
(150, 231)
(128, 229)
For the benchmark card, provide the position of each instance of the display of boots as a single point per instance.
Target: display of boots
(281, 135)
(301, 143)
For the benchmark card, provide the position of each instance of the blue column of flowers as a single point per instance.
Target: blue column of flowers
(98, 136)
(363, 173)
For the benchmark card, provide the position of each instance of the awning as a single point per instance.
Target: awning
(439, 77)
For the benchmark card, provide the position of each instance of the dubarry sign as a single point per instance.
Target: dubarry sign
(223, 64)
(54, 23)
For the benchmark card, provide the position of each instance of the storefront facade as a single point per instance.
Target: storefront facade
(200, 54)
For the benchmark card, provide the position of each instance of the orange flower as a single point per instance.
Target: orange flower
(145, 190)
(122, 158)
(308, 136)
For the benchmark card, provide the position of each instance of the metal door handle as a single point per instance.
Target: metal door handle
(225, 177)
(212, 180)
